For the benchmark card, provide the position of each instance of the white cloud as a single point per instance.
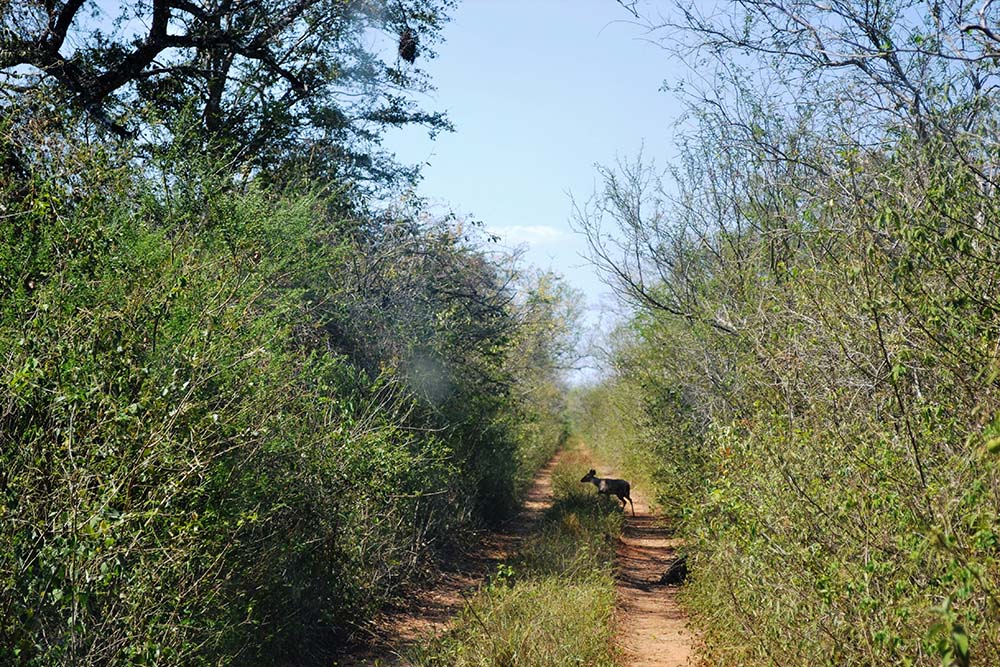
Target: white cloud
(531, 234)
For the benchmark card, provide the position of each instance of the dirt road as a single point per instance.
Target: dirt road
(429, 611)
(652, 626)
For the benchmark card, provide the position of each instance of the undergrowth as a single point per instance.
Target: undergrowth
(234, 423)
(833, 462)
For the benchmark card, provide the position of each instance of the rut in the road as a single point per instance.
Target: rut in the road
(652, 626)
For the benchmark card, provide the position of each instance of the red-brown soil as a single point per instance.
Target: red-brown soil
(652, 626)
(427, 612)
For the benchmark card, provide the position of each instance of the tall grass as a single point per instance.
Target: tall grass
(553, 604)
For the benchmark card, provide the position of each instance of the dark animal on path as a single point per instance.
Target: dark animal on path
(676, 573)
(612, 487)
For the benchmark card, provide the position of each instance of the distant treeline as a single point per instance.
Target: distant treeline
(810, 376)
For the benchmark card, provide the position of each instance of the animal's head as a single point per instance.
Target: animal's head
(589, 476)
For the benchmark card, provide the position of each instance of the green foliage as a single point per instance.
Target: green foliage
(288, 87)
(830, 451)
(218, 440)
(666, 455)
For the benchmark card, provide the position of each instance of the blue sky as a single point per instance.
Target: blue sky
(540, 91)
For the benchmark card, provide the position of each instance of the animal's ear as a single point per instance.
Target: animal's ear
(592, 472)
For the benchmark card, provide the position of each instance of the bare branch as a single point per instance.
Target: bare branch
(630, 7)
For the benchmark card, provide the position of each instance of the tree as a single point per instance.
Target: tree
(929, 68)
(835, 203)
(267, 81)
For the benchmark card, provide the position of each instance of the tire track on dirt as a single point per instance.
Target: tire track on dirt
(652, 626)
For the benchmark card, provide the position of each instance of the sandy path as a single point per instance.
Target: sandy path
(652, 627)
(428, 612)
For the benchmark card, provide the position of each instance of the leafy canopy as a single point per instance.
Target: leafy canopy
(309, 83)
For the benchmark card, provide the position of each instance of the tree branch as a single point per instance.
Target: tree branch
(156, 41)
(56, 33)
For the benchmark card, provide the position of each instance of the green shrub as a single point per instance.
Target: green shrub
(831, 460)
(214, 446)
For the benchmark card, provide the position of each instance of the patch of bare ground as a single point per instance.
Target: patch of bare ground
(427, 611)
(652, 627)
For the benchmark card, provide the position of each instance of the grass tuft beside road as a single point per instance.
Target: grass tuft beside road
(553, 605)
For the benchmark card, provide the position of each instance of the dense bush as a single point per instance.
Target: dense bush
(231, 425)
(810, 375)
(831, 453)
